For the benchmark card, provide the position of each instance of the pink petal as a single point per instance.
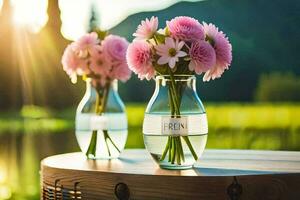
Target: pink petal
(172, 62)
(192, 65)
(161, 49)
(163, 60)
(181, 53)
(169, 42)
(180, 45)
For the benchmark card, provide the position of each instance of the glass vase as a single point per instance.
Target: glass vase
(101, 122)
(175, 125)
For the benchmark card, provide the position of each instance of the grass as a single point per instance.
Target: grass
(240, 126)
(231, 125)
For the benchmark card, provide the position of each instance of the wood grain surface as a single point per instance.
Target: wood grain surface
(219, 174)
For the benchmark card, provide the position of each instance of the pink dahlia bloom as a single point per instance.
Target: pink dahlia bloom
(185, 28)
(139, 59)
(72, 64)
(87, 44)
(115, 47)
(100, 65)
(223, 50)
(203, 57)
(146, 29)
(121, 72)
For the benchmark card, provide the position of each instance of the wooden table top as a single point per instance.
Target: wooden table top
(212, 163)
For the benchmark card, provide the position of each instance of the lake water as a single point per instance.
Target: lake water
(20, 156)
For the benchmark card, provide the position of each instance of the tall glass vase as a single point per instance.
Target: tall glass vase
(175, 124)
(101, 122)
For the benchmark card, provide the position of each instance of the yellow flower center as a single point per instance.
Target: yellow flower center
(172, 52)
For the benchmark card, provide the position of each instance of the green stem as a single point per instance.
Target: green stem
(170, 148)
(111, 141)
(100, 107)
(173, 150)
(174, 144)
(166, 150)
(178, 154)
(187, 141)
(92, 147)
(181, 149)
(105, 138)
(93, 142)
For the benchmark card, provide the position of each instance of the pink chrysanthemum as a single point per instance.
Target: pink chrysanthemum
(115, 47)
(100, 65)
(139, 59)
(223, 50)
(185, 28)
(72, 64)
(203, 57)
(87, 44)
(121, 72)
(146, 29)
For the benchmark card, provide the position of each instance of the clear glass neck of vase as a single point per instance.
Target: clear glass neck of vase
(188, 81)
(178, 88)
(114, 104)
(91, 90)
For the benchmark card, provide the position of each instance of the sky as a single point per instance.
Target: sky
(75, 14)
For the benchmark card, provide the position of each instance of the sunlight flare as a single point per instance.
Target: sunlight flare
(1, 3)
(31, 14)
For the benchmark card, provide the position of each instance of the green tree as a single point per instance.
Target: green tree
(276, 87)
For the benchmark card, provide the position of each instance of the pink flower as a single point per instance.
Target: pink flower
(121, 72)
(223, 50)
(170, 52)
(115, 47)
(100, 65)
(185, 28)
(139, 59)
(203, 57)
(86, 45)
(72, 64)
(147, 28)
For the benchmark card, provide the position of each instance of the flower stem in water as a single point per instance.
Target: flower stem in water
(100, 107)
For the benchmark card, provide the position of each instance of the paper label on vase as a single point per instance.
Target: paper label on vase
(174, 126)
(88, 122)
(167, 125)
(99, 122)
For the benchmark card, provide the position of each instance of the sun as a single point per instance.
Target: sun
(31, 14)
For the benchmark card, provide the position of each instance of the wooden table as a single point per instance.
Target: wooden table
(220, 174)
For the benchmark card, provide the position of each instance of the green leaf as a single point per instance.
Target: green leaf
(101, 34)
(160, 38)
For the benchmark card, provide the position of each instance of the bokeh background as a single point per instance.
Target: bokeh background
(255, 105)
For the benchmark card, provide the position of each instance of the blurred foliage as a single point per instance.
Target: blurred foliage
(32, 111)
(259, 126)
(276, 87)
(260, 45)
(273, 121)
(35, 119)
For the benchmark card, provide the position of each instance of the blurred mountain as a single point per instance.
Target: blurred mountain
(265, 36)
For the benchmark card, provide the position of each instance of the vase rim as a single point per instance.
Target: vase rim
(177, 77)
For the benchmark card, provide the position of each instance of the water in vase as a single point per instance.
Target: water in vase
(156, 143)
(116, 126)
